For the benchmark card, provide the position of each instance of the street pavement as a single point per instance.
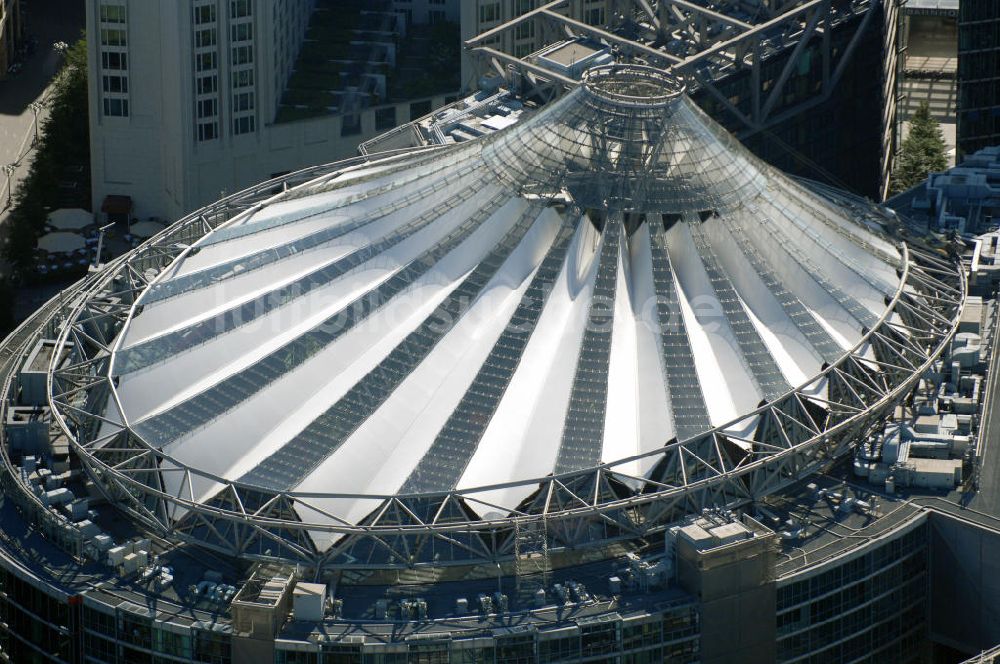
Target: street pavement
(49, 21)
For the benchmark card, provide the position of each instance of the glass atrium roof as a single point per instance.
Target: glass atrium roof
(609, 275)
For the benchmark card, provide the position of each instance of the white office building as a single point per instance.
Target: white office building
(186, 96)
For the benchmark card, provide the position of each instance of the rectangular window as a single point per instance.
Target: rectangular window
(436, 16)
(117, 61)
(242, 32)
(208, 108)
(205, 61)
(208, 131)
(204, 14)
(243, 125)
(243, 102)
(112, 14)
(489, 12)
(207, 85)
(112, 37)
(206, 37)
(243, 78)
(116, 107)
(525, 30)
(239, 8)
(242, 55)
(115, 83)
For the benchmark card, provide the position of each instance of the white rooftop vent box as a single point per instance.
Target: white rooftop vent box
(103, 542)
(572, 57)
(130, 563)
(730, 532)
(57, 497)
(696, 536)
(116, 555)
(308, 602)
(88, 528)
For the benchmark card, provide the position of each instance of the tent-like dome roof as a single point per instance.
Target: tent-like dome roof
(612, 274)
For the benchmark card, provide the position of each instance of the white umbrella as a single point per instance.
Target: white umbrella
(61, 243)
(70, 219)
(146, 229)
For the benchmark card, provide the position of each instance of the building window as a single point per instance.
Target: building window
(525, 30)
(239, 8)
(243, 78)
(208, 131)
(489, 12)
(243, 102)
(385, 118)
(205, 61)
(204, 14)
(594, 16)
(242, 55)
(242, 32)
(243, 125)
(115, 84)
(112, 13)
(436, 16)
(207, 84)
(112, 37)
(207, 108)
(113, 60)
(116, 107)
(205, 38)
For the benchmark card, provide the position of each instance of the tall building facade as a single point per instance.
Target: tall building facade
(186, 98)
(978, 75)
(479, 16)
(10, 33)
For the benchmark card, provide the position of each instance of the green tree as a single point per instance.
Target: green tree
(62, 154)
(923, 151)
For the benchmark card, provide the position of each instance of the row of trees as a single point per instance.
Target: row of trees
(62, 155)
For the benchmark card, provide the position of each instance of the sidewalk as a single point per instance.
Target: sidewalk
(57, 20)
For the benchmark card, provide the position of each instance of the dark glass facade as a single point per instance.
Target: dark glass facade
(671, 636)
(978, 75)
(872, 606)
(837, 140)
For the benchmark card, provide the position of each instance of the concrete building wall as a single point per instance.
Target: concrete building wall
(735, 584)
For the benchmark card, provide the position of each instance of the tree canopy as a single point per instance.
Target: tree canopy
(62, 154)
(923, 151)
